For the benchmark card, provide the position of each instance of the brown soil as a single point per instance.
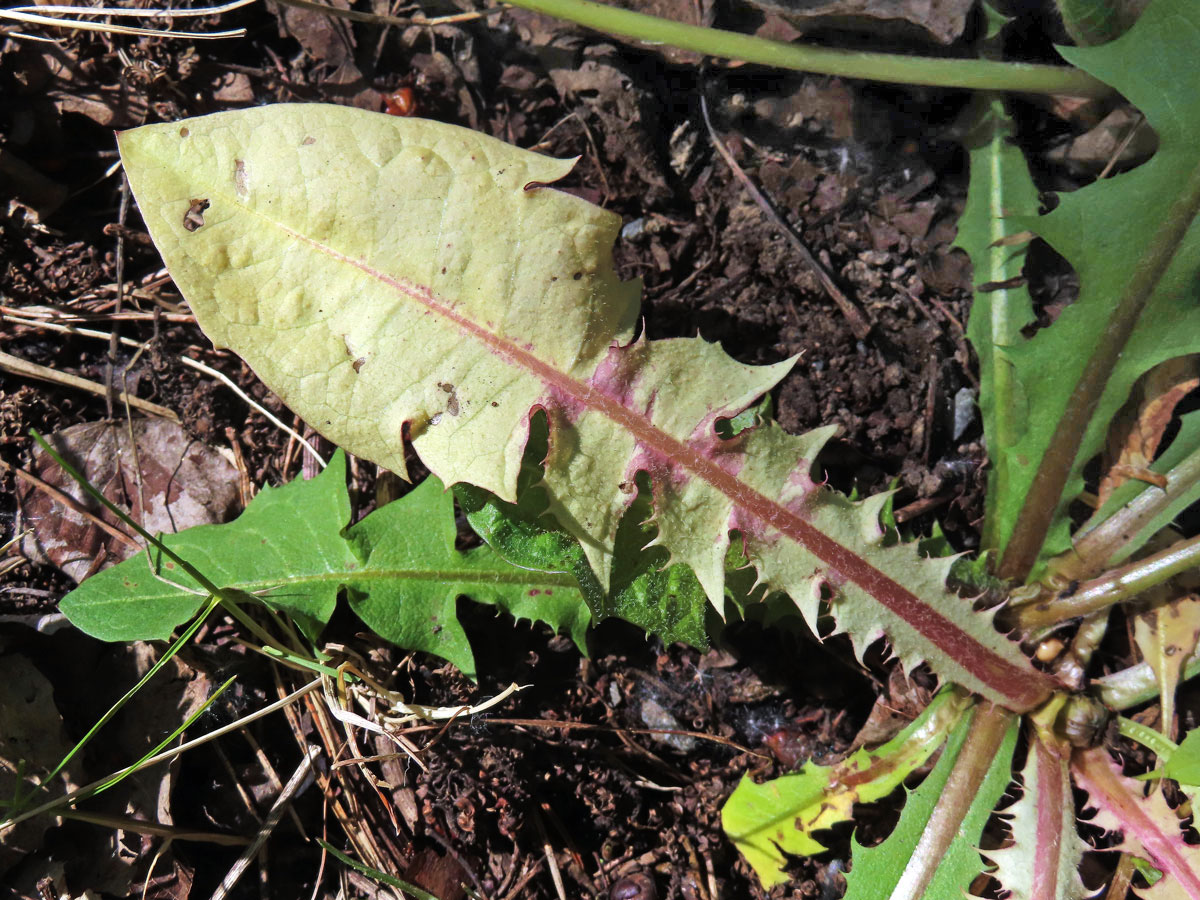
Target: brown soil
(859, 173)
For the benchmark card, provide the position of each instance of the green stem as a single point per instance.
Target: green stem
(988, 727)
(1044, 497)
(1097, 547)
(1110, 588)
(1137, 684)
(975, 74)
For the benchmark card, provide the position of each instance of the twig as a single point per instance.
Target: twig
(526, 877)
(18, 366)
(65, 499)
(857, 321)
(109, 28)
(590, 726)
(114, 339)
(555, 874)
(281, 803)
(50, 312)
(273, 777)
(119, 11)
(272, 418)
(138, 826)
(920, 507)
(377, 19)
(1116, 154)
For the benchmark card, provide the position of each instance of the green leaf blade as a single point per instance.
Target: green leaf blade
(1000, 187)
(1106, 231)
(412, 575)
(292, 550)
(880, 871)
(287, 544)
(417, 303)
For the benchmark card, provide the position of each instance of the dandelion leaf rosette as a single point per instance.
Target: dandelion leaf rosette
(394, 278)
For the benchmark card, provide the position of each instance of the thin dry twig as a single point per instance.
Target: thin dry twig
(18, 366)
(45, 15)
(282, 802)
(551, 861)
(170, 832)
(50, 313)
(854, 317)
(1116, 154)
(245, 488)
(109, 28)
(120, 11)
(264, 763)
(378, 19)
(590, 726)
(270, 417)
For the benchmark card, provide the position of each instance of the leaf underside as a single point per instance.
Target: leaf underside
(1151, 829)
(391, 277)
(1042, 862)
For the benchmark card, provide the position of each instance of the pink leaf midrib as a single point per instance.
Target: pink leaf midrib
(1096, 774)
(1051, 800)
(1022, 687)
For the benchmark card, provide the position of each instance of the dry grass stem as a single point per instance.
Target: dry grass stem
(166, 756)
(17, 366)
(46, 16)
(282, 802)
(258, 407)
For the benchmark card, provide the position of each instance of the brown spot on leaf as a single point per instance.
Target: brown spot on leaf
(308, 141)
(183, 132)
(193, 219)
(452, 406)
(241, 182)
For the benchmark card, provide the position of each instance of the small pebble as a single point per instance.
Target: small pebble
(634, 228)
(654, 715)
(964, 411)
(637, 886)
